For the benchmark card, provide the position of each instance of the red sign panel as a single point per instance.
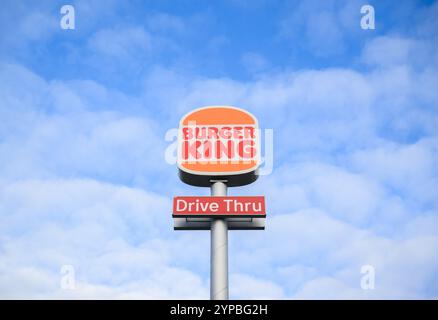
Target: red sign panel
(219, 206)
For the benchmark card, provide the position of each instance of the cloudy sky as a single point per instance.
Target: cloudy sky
(83, 118)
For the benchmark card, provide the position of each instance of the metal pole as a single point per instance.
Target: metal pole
(219, 250)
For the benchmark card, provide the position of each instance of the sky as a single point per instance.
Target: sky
(83, 179)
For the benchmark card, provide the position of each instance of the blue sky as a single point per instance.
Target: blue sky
(84, 112)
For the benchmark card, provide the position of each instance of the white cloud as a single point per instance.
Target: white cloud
(113, 236)
(70, 128)
(349, 196)
(247, 287)
(386, 51)
(337, 250)
(408, 169)
(326, 288)
(321, 29)
(120, 43)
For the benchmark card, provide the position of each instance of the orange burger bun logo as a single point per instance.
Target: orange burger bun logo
(218, 142)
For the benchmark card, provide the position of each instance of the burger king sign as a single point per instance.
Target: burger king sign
(218, 143)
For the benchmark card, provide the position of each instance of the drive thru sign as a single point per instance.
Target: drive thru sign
(219, 147)
(219, 206)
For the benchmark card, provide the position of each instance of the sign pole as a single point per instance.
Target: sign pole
(219, 249)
